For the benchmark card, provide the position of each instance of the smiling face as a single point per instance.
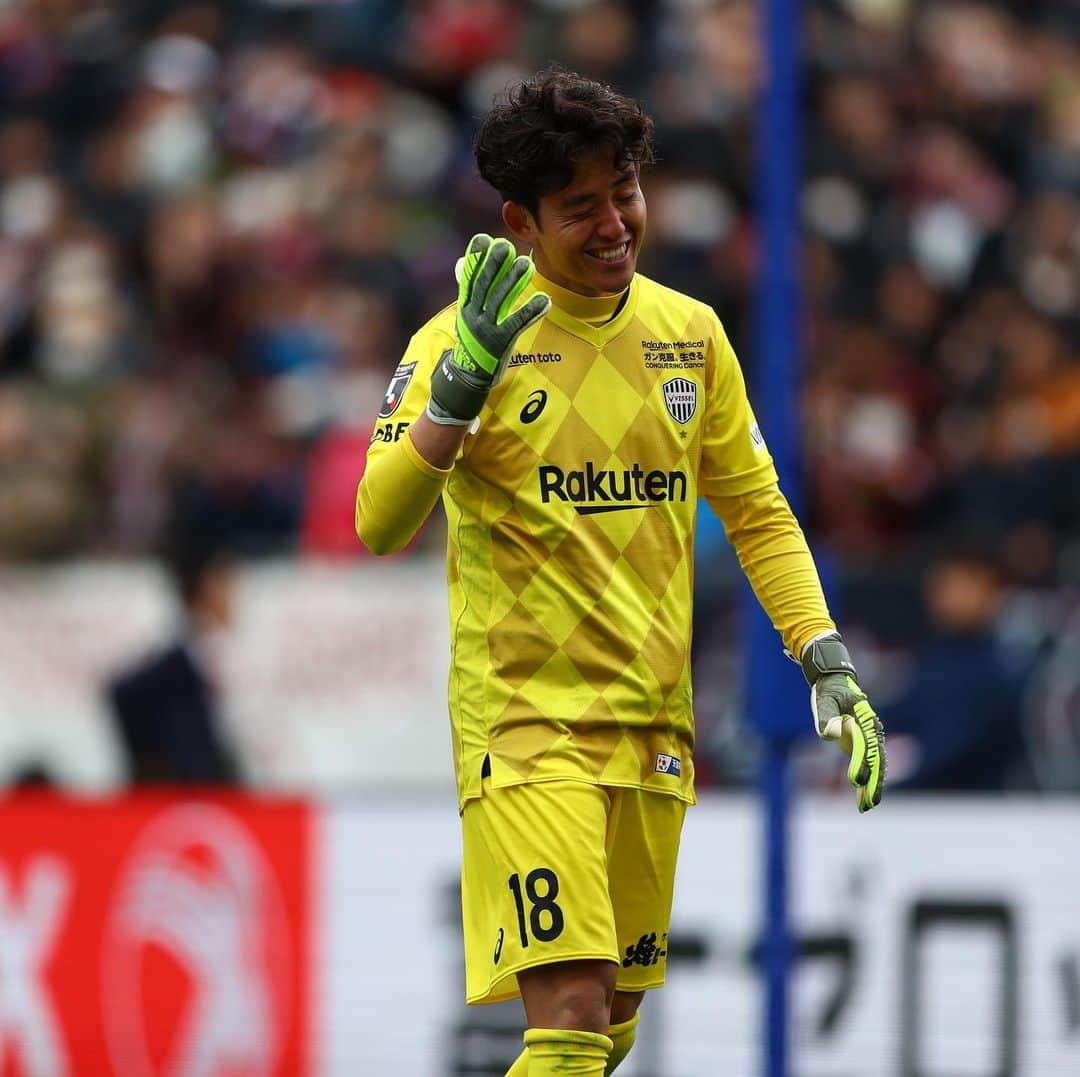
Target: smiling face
(586, 237)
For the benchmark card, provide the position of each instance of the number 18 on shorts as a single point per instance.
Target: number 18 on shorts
(565, 871)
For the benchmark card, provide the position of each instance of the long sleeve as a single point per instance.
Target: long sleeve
(399, 487)
(398, 491)
(774, 555)
(739, 481)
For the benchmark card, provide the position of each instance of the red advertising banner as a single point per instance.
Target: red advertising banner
(156, 935)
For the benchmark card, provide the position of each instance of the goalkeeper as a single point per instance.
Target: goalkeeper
(570, 412)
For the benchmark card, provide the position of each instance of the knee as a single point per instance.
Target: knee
(576, 995)
(583, 1006)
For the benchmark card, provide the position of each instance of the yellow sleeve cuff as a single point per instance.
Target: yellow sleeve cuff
(420, 463)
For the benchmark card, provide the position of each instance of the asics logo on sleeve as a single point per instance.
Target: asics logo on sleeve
(594, 489)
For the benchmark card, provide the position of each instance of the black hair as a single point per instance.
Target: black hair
(194, 545)
(192, 561)
(527, 144)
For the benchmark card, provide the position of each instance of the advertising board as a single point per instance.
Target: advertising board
(168, 935)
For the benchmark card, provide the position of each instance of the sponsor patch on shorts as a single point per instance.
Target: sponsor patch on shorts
(668, 764)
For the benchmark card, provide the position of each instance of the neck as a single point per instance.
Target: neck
(594, 309)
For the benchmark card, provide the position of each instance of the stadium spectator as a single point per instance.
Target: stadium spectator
(166, 706)
(971, 740)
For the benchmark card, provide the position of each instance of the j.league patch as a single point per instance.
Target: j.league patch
(396, 389)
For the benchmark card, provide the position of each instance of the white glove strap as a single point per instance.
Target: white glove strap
(833, 728)
(446, 420)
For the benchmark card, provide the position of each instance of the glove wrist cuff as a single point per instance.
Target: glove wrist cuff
(457, 395)
(825, 655)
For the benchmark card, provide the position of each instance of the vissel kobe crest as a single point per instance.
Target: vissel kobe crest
(680, 398)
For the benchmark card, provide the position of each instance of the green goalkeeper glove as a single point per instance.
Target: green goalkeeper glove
(843, 713)
(491, 280)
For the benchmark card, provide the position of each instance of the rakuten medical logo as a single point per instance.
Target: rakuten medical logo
(195, 970)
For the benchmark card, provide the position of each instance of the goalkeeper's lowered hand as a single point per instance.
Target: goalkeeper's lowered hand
(490, 281)
(843, 713)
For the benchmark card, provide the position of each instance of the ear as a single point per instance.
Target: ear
(520, 222)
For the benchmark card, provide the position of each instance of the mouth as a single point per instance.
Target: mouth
(611, 256)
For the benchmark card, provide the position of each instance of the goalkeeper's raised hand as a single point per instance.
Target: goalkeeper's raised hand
(843, 713)
(491, 280)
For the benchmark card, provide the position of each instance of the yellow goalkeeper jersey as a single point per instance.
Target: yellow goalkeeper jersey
(571, 512)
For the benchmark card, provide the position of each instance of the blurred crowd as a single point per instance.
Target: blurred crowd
(220, 222)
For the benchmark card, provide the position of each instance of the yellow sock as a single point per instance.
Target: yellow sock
(622, 1039)
(564, 1052)
(520, 1068)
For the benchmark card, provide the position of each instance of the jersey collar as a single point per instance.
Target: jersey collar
(597, 319)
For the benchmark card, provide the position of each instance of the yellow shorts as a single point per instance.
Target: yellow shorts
(561, 871)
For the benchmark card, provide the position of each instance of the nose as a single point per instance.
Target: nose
(609, 222)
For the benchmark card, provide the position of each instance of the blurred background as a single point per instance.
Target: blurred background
(219, 225)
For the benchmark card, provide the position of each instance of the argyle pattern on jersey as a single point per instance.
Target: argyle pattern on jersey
(571, 517)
